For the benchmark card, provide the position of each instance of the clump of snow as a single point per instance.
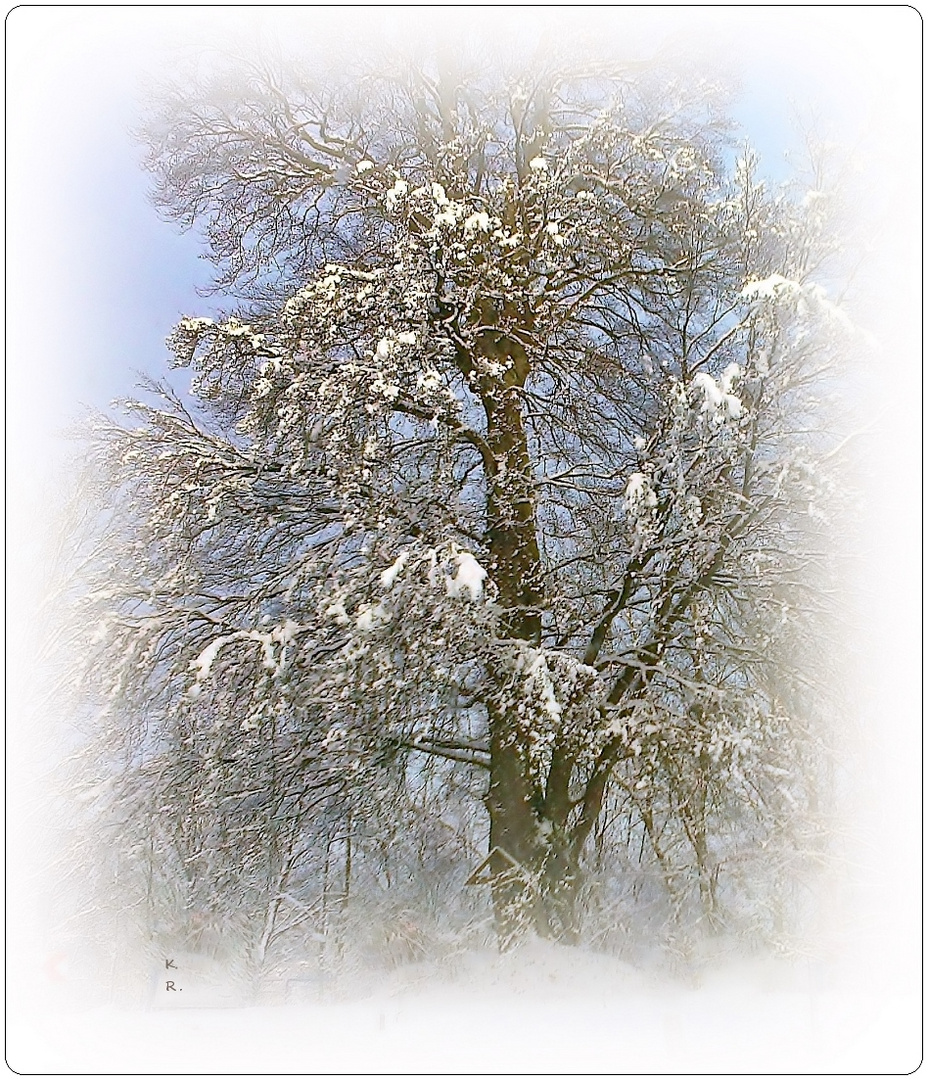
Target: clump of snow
(204, 662)
(371, 615)
(808, 297)
(708, 385)
(389, 576)
(382, 386)
(282, 635)
(552, 229)
(469, 577)
(729, 375)
(194, 325)
(636, 487)
(397, 192)
(719, 398)
(337, 612)
(266, 641)
(638, 492)
(769, 288)
(538, 164)
(364, 166)
(477, 222)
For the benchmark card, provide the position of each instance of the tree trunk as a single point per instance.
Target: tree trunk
(533, 861)
(560, 889)
(518, 839)
(514, 835)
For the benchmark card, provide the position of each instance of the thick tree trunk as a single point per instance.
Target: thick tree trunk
(533, 860)
(534, 876)
(561, 886)
(516, 842)
(511, 526)
(514, 835)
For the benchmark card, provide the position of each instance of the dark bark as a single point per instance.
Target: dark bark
(514, 836)
(534, 866)
(517, 840)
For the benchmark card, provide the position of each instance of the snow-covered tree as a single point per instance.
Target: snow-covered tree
(499, 483)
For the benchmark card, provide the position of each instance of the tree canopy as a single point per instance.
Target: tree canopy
(489, 544)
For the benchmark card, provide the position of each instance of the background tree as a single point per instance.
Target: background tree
(496, 501)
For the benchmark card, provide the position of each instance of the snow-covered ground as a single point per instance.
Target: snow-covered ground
(542, 1009)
